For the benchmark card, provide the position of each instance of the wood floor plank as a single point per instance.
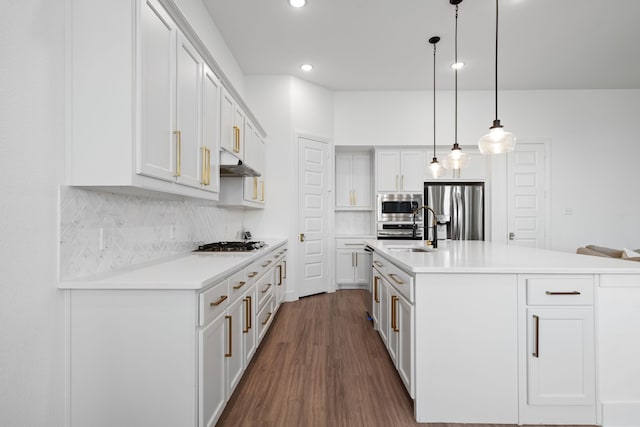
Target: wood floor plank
(322, 365)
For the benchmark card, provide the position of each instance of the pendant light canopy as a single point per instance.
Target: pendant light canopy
(436, 168)
(457, 159)
(497, 140)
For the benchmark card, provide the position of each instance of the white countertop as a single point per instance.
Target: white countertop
(486, 257)
(195, 270)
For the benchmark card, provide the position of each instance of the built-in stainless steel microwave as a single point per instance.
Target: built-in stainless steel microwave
(394, 207)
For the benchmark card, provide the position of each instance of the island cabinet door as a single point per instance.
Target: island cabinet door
(375, 295)
(213, 347)
(385, 310)
(561, 369)
(404, 331)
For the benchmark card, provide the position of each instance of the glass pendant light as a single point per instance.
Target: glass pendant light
(436, 168)
(497, 140)
(457, 159)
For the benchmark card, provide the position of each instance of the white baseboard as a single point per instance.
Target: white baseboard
(621, 414)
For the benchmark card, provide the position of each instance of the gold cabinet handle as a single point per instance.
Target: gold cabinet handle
(355, 198)
(280, 275)
(562, 293)
(239, 285)
(262, 192)
(378, 263)
(266, 288)
(302, 237)
(246, 315)
(203, 180)
(267, 319)
(393, 312)
(266, 263)
(394, 300)
(218, 301)
(230, 353)
(255, 188)
(208, 166)
(178, 135)
(285, 269)
(536, 336)
(395, 279)
(236, 139)
(402, 182)
(250, 311)
(375, 289)
(252, 274)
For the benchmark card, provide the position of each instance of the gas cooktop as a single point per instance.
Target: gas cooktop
(230, 246)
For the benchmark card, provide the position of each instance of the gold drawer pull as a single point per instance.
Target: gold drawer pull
(266, 288)
(178, 152)
(219, 301)
(230, 353)
(375, 289)
(562, 293)
(252, 274)
(266, 263)
(395, 279)
(536, 344)
(378, 263)
(247, 303)
(239, 285)
(267, 319)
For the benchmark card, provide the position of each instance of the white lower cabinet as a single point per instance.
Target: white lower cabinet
(353, 264)
(166, 357)
(393, 317)
(211, 367)
(558, 352)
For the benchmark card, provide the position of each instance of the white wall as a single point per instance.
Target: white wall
(285, 105)
(587, 128)
(32, 118)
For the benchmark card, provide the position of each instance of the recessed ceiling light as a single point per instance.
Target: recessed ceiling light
(297, 3)
(457, 65)
(306, 67)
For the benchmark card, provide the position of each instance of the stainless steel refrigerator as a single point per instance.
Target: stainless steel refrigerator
(459, 207)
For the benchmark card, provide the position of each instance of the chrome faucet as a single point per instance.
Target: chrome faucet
(434, 242)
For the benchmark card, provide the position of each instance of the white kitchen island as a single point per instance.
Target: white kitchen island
(489, 333)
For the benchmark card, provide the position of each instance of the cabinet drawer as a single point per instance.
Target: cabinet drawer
(560, 290)
(265, 289)
(380, 263)
(213, 302)
(237, 285)
(353, 244)
(400, 280)
(265, 317)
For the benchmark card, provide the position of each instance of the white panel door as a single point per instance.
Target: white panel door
(526, 195)
(227, 129)
(211, 127)
(213, 344)
(561, 368)
(188, 113)
(313, 190)
(387, 171)
(361, 180)
(235, 359)
(157, 145)
(412, 171)
(345, 260)
(250, 337)
(344, 187)
(404, 316)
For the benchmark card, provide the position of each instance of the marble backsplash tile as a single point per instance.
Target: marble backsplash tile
(134, 229)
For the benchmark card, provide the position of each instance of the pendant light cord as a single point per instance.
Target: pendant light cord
(434, 100)
(496, 74)
(456, 80)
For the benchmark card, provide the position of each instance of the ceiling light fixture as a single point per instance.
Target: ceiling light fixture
(306, 67)
(457, 159)
(297, 3)
(497, 140)
(457, 65)
(436, 168)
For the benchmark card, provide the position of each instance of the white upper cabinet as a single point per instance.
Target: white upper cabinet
(353, 181)
(147, 108)
(188, 113)
(211, 89)
(157, 144)
(400, 170)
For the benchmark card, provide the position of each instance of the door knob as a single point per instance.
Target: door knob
(512, 235)
(302, 237)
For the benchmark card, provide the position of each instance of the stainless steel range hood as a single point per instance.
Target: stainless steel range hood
(230, 165)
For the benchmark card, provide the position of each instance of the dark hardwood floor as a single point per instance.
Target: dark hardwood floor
(322, 364)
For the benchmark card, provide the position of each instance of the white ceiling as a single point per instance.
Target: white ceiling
(382, 44)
